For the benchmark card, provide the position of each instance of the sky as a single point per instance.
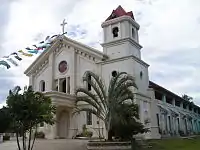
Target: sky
(169, 33)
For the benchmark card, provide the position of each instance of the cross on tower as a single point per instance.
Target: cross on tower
(63, 26)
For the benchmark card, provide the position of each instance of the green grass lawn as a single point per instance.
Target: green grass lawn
(176, 144)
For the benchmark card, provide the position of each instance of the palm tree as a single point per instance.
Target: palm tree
(106, 103)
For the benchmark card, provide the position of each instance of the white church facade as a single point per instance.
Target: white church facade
(58, 72)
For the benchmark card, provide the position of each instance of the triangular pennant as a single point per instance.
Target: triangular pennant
(25, 54)
(4, 63)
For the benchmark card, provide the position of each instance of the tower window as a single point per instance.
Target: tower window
(42, 86)
(115, 31)
(114, 73)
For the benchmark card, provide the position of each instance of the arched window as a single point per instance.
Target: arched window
(89, 118)
(89, 86)
(115, 31)
(42, 86)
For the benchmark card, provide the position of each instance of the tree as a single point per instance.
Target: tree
(108, 105)
(187, 98)
(127, 125)
(27, 111)
(4, 120)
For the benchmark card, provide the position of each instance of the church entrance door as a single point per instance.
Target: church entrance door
(63, 124)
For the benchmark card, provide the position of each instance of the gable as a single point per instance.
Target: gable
(63, 61)
(78, 47)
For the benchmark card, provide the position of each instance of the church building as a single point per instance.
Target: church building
(58, 72)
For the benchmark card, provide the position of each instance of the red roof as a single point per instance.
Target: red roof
(119, 12)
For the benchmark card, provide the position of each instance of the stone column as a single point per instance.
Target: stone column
(187, 127)
(173, 102)
(192, 126)
(177, 125)
(172, 123)
(181, 104)
(166, 123)
(164, 98)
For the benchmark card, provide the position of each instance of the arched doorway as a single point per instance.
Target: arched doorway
(63, 124)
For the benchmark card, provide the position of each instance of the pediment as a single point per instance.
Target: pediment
(81, 49)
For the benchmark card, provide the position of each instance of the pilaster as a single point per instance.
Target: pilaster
(73, 74)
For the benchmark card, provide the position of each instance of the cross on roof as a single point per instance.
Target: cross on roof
(63, 26)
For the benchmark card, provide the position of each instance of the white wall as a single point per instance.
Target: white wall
(131, 67)
(44, 74)
(121, 49)
(143, 82)
(64, 55)
(83, 65)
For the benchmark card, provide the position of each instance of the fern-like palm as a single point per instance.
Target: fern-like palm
(105, 103)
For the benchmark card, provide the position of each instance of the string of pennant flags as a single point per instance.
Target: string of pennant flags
(15, 57)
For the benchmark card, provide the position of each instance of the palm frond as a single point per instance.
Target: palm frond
(125, 98)
(124, 86)
(122, 91)
(126, 79)
(114, 80)
(95, 85)
(90, 102)
(113, 83)
(78, 110)
(98, 81)
(91, 96)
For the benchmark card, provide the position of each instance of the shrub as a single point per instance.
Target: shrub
(127, 125)
(85, 132)
(181, 133)
(88, 133)
(40, 135)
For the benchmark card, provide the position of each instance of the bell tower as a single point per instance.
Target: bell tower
(121, 35)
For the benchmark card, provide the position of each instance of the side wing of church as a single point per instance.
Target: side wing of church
(58, 72)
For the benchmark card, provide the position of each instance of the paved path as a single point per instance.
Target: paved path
(60, 144)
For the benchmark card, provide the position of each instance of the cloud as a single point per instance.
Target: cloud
(5, 76)
(169, 34)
